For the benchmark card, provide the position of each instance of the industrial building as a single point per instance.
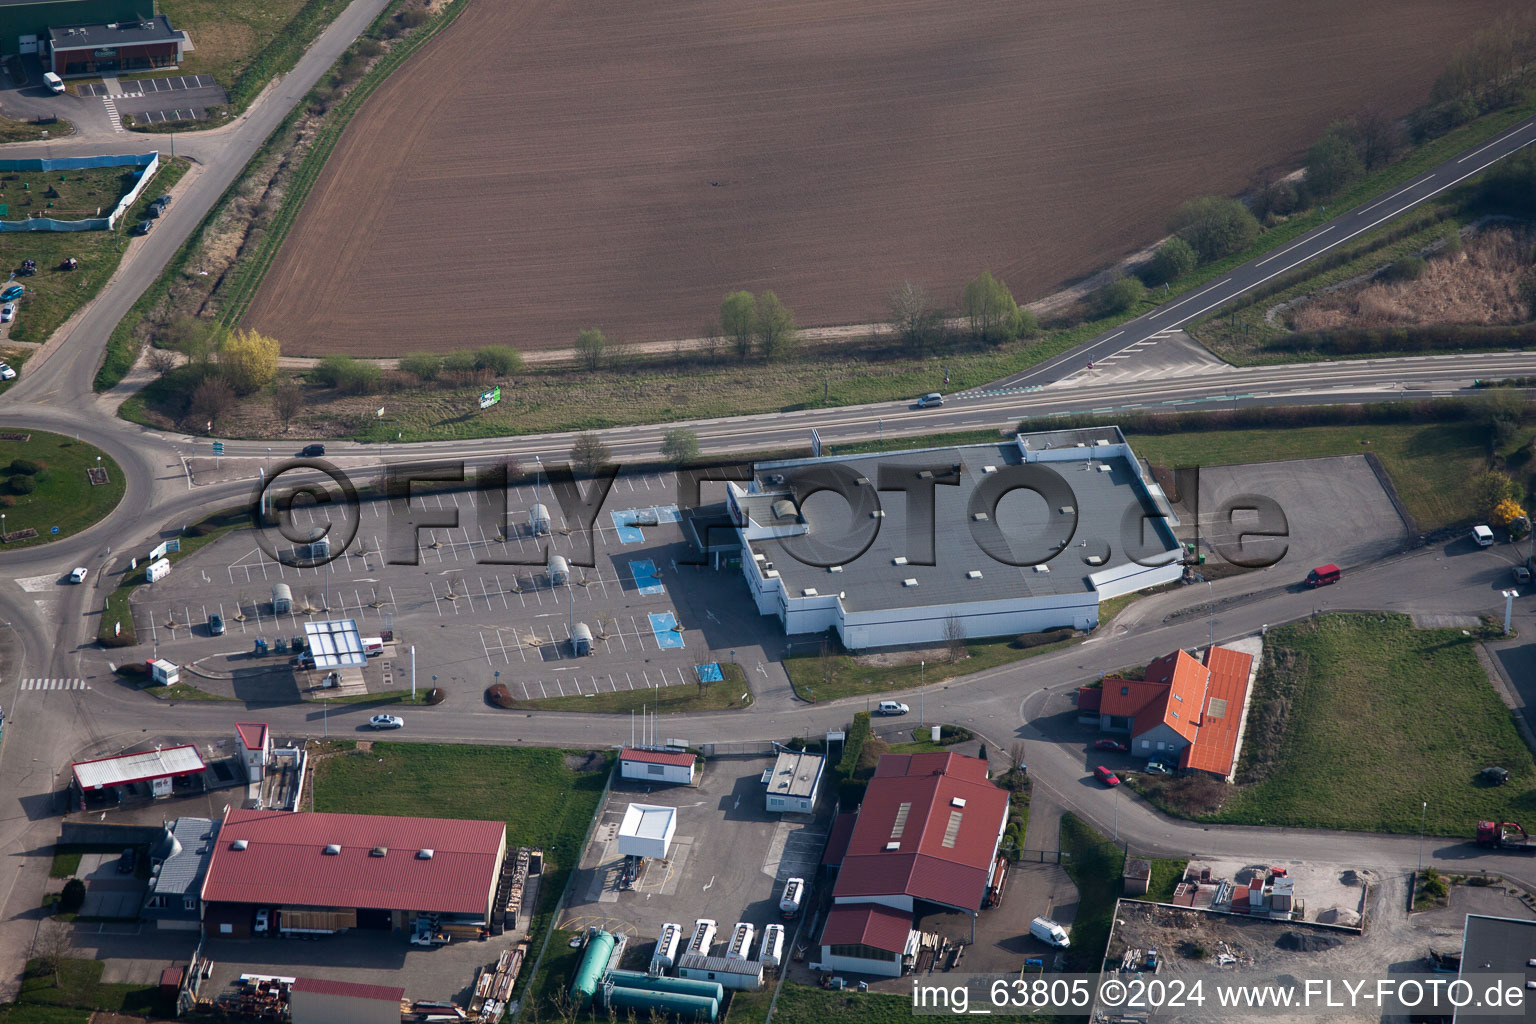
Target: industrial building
(180, 862)
(1184, 711)
(925, 838)
(316, 1001)
(114, 47)
(990, 540)
(647, 765)
(320, 873)
(793, 781)
(155, 773)
(24, 24)
(724, 971)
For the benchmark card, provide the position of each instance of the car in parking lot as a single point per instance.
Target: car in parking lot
(1106, 776)
(1109, 744)
(891, 707)
(54, 83)
(215, 624)
(1482, 536)
(7, 312)
(78, 576)
(11, 292)
(312, 451)
(6, 373)
(386, 722)
(127, 862)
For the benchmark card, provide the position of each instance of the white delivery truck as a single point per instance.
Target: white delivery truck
(1049, 932)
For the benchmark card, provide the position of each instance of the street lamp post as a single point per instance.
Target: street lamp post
(1423, 817)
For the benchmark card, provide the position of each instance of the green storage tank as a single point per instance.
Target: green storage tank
(677, 1004)
(684, 986)
(593, 963)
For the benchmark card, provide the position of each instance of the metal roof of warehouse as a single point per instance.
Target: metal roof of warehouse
(283, 861)
(867, 924)
(335, 644)
(124, 33)
(140, 767)
(1107, 492)
(181, 870)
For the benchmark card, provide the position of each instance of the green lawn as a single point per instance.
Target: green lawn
(81, 990)
(31, 1013)
(1166, 876)
(64, 496)
(816, 678)
(15, 357)
(1430, 464)
(65, 862)
(28, 131)
(1095, 865)
(54, 295)
(722, 696)
(1382, 717)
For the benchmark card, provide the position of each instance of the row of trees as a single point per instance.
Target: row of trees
(679, 446)
(758, 322)
(987, 308)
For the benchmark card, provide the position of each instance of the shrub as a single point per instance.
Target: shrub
(73, 897)
(499, 359)
(499, 695)
(413, 18)
(424, 366)
(348, 375)
(1215, 226)
(6, 501)
(1409, 268)
(1118, 296)
(22, 485)
(28, 467)
(459, 362)
(991, 309)
(1027, 640)
(1332, 163)
(437, 694)
(133, 670)
(1174, 259)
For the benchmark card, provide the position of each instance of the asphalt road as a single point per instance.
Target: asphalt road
(1308, 247)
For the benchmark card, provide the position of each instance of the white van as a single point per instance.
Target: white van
(1048, 931)
(1483, 536)
(54, 83)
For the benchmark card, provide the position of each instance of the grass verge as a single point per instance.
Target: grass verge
(66, 861)
(30, 131)
(726, 695)
(64, 496)
(1433, 722)
(1095, 865)
(77, 987)
(54, 295)
(831, 676)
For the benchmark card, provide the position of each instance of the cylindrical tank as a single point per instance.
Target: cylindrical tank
(538, 520)
(773, 945)
(593, 963)
(666, 947)
(685, 986)
(677, 1004)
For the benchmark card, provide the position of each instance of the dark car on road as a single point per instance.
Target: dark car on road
(145, 227)
(215, 624)
(312, 451)
(1108, 744)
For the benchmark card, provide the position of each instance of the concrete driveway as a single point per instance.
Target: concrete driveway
(29, 98)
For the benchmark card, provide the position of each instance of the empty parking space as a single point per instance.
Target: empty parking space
(173, 98)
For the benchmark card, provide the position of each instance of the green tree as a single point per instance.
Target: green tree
(1510, 186)
(990, 308)
(1173, 259)
(1489, 490)
(738, 321)
(589, 452)
(424, 366)
(347, 375)
(248, 360)
(774, 325)
(590, 345)
(1214, 226)
(680, 445)
(501, 360)
(1119, 296)
(1332, 163)
(73, 897)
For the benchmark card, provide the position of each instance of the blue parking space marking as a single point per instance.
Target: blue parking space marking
(623, 522)
(709, 673)
(664, 627)
(646, 580)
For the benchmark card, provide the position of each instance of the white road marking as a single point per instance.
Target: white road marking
(1300, 241)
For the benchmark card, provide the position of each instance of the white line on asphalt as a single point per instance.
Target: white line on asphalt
(435, 602)
(1394, 195)
(1300, 241)
(1191, 298)
(1495, 142)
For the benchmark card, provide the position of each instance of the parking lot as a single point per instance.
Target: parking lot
(155, 100)
(728, 862)
(655, 618)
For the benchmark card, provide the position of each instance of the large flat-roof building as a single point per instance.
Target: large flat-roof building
(114, 47)
(24, 24)
(993, 539)
(337, 871)
(1499, 945)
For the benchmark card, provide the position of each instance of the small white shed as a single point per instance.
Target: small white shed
(647, 831)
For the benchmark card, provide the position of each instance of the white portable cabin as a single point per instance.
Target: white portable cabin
(558, 570)
(794, 895)
(163, 672)
(703, 937)
(538, 520)
(773, 945)
(741, 942)
(157, 570)
(666, 947)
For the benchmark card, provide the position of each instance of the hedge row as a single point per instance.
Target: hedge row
(1438, 337)
(1441, 410)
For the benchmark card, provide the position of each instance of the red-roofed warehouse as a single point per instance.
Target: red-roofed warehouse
(926, 838)
(330, 872)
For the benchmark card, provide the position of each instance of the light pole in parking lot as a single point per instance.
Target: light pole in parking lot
(1423, 817)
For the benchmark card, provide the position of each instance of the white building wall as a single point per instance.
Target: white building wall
(727, 979)
(641, 770)
(790, 804)
(885, 968)
(892, 626)
(1123, 579)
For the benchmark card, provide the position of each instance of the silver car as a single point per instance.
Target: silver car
(386, 722)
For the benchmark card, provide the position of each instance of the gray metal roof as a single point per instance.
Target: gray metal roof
(335, 644)
(718, 964)
(1105, 492)
(182, 872)
(124, 33)
(795, 773)
(1498, 945)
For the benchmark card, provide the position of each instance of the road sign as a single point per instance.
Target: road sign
(218, 447)
(490, 397)
(55, 530)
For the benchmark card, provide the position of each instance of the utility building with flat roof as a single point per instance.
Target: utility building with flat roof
(901, 548)
(793, 781)
(648, 765)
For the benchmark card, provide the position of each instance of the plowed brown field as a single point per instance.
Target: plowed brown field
(542, 167)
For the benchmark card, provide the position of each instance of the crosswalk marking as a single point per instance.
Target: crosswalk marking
(112, 116)
(54, 684)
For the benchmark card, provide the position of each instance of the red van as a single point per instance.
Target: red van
(1323, 575)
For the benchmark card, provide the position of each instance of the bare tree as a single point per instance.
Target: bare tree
(913, 316)
(211, 399)
(286, 402)
(589, 452)
(161, 361)
(52, 945)
(954, 639)
(1377, 137)
(1015, 755)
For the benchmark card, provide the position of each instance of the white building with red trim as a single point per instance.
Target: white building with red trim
(647, 765)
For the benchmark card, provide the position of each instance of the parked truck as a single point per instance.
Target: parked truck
(1503, 835)
(794, 895)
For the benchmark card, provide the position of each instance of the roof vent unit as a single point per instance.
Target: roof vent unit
(834, 568)
(909, 583)
(239, 844)
(892, 846)
(861, 481)
(979, 517)
(771, 574)
(899, 560)
(808, 592)
(1068, 510)
(925, 474)
(878, 513)
(1082, 444)
(784, 509)
(1095, 559)
(974, 574)
(378, 851)
(332, 849)
(1102, 468)
(424, 854)
(1042, 568)
(1101, 444)
(112, 25)
(757, 556)
(958, 801)
(988, 469)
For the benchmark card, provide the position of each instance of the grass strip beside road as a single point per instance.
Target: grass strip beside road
(818, 678)
(30, 131)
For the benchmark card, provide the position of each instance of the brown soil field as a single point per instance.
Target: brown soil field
(1481, 284)
(543, 167)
